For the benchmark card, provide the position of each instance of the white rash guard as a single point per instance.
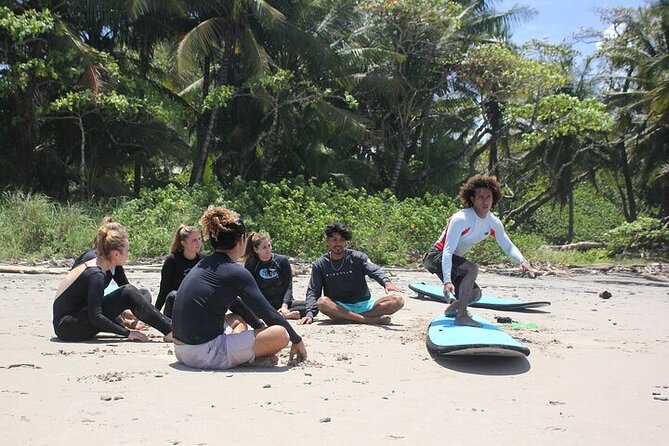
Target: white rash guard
(464, 230)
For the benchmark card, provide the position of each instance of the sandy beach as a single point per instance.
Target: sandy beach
(598, 374)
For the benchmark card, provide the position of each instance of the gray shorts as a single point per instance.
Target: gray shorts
(223, 352)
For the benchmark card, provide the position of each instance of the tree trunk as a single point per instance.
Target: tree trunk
(493, 114)
(570, 208)
(197, 175)
(82, 163)
(627, 177)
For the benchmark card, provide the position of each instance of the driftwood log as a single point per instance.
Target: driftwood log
(580, 246)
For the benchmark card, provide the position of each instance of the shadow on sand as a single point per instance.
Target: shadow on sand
(485, 365)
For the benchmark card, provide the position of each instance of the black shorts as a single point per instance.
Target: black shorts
(432, 262)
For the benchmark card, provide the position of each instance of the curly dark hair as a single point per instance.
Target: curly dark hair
(222, 227)
(468, 189)
(339, 228)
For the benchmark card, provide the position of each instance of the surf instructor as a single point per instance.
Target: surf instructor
(463, 230)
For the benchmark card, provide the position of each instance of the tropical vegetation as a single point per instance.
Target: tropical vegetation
(372, 111)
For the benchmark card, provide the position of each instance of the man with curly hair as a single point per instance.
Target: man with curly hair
(463, 230)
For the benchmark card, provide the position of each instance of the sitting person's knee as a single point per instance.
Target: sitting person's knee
(323, 303)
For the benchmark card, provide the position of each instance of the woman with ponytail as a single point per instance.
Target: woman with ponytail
(81, 309)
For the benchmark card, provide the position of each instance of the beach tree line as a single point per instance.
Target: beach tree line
(103, 98)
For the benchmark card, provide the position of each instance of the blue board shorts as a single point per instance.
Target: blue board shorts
(358, 307)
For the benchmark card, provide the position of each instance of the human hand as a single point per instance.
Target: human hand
(284, 312)
(136, 335)
(389, 286)
(298, 352)
(306, 320)
(525, 266)
(449, 290)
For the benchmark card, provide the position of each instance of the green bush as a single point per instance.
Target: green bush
(646, 238)
(593, 216)
(294, 213)
(31, 226)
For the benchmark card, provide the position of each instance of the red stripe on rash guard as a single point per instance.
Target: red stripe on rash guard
(442, 239)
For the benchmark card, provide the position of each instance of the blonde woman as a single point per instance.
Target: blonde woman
(202, 338)
(184, 255)
(81, 310)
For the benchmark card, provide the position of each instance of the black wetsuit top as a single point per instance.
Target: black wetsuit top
(274, 278)
(206, 294)
(118, 274)
(87, 291)
(342, 280)
(175, 268)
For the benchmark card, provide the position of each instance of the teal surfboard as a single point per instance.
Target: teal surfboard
(493, 303)
(446, 338)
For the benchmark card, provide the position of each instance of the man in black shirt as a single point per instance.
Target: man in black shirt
(340, 276)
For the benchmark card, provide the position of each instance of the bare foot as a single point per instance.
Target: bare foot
(135, 324)
(451, 310)
(168, 337)
(466, 320)
(378, 320)
(264, 361)
(293, 315)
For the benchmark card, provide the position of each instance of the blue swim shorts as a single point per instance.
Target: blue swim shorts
(358, 307)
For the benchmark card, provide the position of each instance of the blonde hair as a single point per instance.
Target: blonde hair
(254, 240)
(181, 234)
(111, 236)
(222, 227)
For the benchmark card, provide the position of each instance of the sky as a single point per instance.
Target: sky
(557, 20)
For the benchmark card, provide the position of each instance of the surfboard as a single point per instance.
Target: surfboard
(446, 338)
(493, 303)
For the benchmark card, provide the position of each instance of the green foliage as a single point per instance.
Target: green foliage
(389, 230)
(646, 237)
(31, 226)
(594, 214)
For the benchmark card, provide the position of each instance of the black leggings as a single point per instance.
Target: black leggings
(79, 328)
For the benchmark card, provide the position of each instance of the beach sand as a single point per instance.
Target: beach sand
(598, 374)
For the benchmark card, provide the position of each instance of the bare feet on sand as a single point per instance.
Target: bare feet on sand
(168, 337)
(293, 315)
(378, 320)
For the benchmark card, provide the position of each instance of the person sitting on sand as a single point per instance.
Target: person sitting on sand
(273, 275)
(202, 339)
(184, 255)
(117, 274)
(340, 274)
(81, 310)
(463, 230)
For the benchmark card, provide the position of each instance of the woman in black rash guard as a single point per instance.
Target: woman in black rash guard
(202, 338)
(184, 255)
(274, 276)
(81, 309)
